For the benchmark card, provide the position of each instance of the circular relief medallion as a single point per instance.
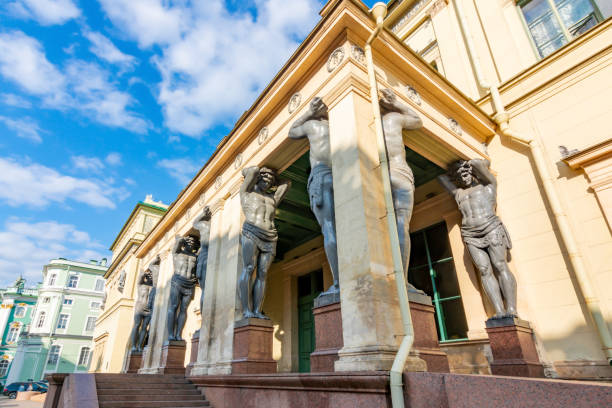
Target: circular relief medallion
(335, 59)
(358, 53)
(455, 126)
(263, 135)
(413, 95)
(218, 182)
(294, 102)
(238, 160)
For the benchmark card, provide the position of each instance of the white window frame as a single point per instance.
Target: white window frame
(86, 366)
(85, 331)
(40, 324)
(46, 300)
(8, 335)
(25, 311)
(67, 322)
(52, 279)
(59, 357)
(96, 285)
(3, 373)
(78, 279)
(92, 303)
(68, 305)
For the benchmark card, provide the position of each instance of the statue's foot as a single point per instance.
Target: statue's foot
(412, 288)
(178, 338)
(335, 288)
(248, 314)
(499, 316)
(260, 316)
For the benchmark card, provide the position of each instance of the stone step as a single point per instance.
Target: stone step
(153, 404)
(158, 380)
(188, 390)
(149, 386)
(120, 396)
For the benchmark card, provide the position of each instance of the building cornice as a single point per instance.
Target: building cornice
(589, 155)
(133, 214)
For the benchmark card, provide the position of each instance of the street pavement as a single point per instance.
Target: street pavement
(5, 402)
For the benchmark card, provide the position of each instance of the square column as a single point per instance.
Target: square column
(371, 323)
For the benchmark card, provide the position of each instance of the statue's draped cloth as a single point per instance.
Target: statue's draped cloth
(492, 232)
(185, 286)
(400, 176)
(320, 176)
(264, 240)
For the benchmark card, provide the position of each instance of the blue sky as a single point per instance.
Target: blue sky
(103, 102)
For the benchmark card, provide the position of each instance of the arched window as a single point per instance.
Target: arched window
(41, 320)
(20, 311)
(84, 356)
(13, 334)
(54, 354)
(4, 365)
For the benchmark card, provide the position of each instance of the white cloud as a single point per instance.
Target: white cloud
(85, 163)
(113, 159)
(46, 12)
(106, 50)
(25, 247)
(35, 185)
(182, 170)
(16, 101)
(83, 86)
(26, 128)
(213, 63)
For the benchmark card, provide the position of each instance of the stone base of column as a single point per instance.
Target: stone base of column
(173, 357)
(513, 348)
(328, 333)
(252, 352)
(193, 355)
(134, 362)
(426, 343)
(375, 358)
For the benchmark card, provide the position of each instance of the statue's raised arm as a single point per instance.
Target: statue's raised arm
(390, 102)
(281, 191)
(250, 179)
(482, 172)
(316, 108)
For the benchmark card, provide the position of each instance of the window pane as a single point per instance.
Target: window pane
(535, 9)
(552, 46)
(454, 318)
(572, 11)
(545, 29)
(437, 241)
(422, 38)
(446, 280)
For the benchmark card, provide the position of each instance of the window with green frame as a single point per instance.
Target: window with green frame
(553, 23)
(432, 270)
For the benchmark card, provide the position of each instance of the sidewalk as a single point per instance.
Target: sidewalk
(5, 402)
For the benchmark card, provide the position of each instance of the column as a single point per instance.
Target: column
(370, 312)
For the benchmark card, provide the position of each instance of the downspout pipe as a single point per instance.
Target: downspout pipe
(379, 10)
(502, 118)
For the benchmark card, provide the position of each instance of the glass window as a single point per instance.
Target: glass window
(91, 323)
(54, 353)
(62, 322)
(95, 305)
(46, 299)
(73, 281)
(432, 270)
(52, 278)
(84, 356)
(100, 285)
(68, 302)
(20, 311)
(41, 320)
(423, 41)
(553, 23)
(13, 335)
(4, 365)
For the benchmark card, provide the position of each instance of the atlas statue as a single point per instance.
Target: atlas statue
(143, 308)
(182, 285)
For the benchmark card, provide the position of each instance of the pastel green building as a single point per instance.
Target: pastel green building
(59, 338)
(16, 310)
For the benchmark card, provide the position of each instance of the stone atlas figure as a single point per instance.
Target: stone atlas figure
(202, 224)
(486, 238)
(397, 117)
(143, 307)
(260, 195)
(314, 125)
(182, 285)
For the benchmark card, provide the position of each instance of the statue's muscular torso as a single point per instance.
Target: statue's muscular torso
(184, 264)
(259, 209)
(317, 131)
(476, 203)
(393, 127)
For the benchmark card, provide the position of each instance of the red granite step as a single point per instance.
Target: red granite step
(153, 404)
(120, 396)
(187, 390)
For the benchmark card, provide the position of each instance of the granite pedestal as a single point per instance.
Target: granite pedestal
(426, 343)
(253, 347)
(513, 348)
(173, 357)
(328, 332)
(134, 362)
(193, 355)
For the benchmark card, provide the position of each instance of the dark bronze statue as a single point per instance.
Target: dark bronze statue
(314, 125)
(260, 195)
(202, 224)
(485, 236)
(397, 117)
(143, 307)
(182, 285)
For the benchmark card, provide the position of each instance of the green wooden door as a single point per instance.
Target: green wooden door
(309, 287)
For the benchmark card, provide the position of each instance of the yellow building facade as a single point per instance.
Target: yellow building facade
(487, 84)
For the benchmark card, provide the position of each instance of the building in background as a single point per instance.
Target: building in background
(60, 335)
(16, 311)
(111, 335)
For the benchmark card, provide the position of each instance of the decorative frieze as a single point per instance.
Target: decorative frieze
(238, 161)
(263, 133)
(294, 102)
(335, 59)
(358, 53)
(218, 182)
(455, 126)
(413, 95)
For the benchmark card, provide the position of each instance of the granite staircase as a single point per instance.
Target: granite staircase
(147, 391)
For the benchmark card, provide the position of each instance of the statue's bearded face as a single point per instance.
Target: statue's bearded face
(190, 243)
(464, 174)
(266, 180)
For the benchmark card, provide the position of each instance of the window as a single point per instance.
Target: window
(46, 299)
(12, 335)
(99, 285)
(52, 278)
(4, 365)
(95, 305)
(91, 324)
(20, 311)
(73, 281)
(423, 41)
(432, 270)
(62, 322)
(41, 320)
(553, 23)
(68, 302)
(84, 356)
(54, 354)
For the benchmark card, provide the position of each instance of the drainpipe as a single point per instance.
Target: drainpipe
(502, 118)
(379, 10)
